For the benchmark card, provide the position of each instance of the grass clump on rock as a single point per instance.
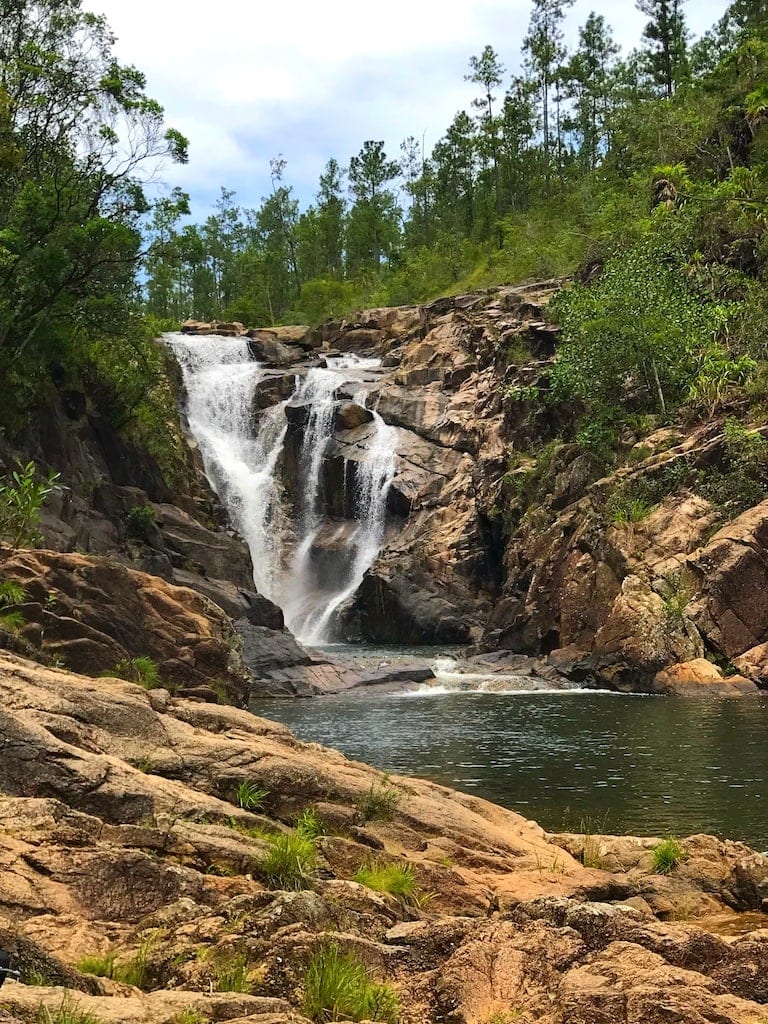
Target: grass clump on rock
(338, 986)
(380, 802)
(143, 671)
(290, 861)
(667, 855)
(398, 880)
(249, 796)
(66, 1013)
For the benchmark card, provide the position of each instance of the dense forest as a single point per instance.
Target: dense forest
(644, 174)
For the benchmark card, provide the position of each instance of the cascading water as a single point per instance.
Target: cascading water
(220, 380)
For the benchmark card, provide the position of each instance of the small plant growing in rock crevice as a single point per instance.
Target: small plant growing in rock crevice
(232, 975)
(143, 671)
(398, 880)
(139, 521)
(249, 796)
(337, 986)
(667, 855)
(380, 802)
(310, 825)
(67, 1012)
(11, 593)
(290, 861)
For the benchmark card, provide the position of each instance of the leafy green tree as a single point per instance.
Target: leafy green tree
(331, 216)
(77, 126)
(589, 78)
(455, 172)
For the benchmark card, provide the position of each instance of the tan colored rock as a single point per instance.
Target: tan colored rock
(692, 678)
(95, 612)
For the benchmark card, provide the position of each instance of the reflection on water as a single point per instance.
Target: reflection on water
(648, 766)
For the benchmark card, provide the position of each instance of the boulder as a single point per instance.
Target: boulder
(700, 678)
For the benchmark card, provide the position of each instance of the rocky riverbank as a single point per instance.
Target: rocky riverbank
(126, 851)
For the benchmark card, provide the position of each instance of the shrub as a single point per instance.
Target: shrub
(337, 986)
(667, 855)
(139, 521)
(190, 1016)
(11, 593)
(380, 802)
(22, 497)
(398, 880)
(290, 861)
(249, 796)
(143, 671)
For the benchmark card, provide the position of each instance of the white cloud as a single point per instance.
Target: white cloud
(248, 80)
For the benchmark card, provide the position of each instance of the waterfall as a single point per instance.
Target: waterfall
(243, 467)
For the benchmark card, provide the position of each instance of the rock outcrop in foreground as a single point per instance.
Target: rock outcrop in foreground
(122, 839)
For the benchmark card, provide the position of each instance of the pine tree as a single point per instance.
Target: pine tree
(666, 37)
(545, 52)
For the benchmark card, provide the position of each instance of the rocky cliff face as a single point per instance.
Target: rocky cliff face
(122, 840)
(503, 535)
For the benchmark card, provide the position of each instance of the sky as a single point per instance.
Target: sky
(246, 80)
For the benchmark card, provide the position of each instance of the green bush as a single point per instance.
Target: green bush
(290, 861)
(22, 496)
(139, 521)
(337, 986)
(667, 855)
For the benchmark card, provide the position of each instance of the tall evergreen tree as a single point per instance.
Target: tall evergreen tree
(545, 52)
(488, 71)
(374, 219)
(666, 37)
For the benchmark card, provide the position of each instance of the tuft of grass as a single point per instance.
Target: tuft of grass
(130, 972)
(290, 861)
(667, 855)
(398, 880)
(310, 825)
(190, 1016)
(143, 671)
(380, 802)
(100, 965)
(232, 975)
(249, 796)
(337, 986)
(11, 593)
(66, 1013)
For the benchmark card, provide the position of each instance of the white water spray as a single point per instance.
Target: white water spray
(221, 379)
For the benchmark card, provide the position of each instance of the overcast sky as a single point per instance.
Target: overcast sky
(246, 80)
